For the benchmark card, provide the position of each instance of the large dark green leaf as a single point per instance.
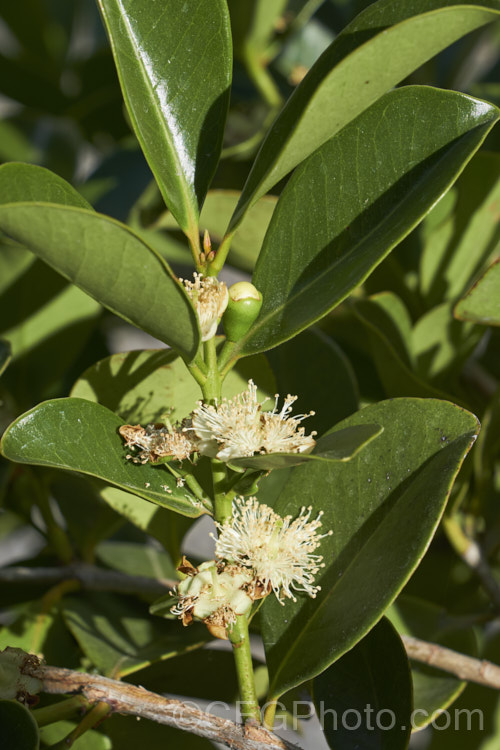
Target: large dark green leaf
(334, 222)
(378, 49)
(111, 263)
(369, 691)
(18, 727)
(174, 64)
(481, 304)
(383, 507)
(78, 435)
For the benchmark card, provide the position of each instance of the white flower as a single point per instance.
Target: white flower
(210, 298)
(238, 427)
(280, 551)
(215, 594)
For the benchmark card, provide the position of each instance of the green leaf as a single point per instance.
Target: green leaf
(174, 63)
(136, 559)
(442, 345)
(78, 435)
(315, 368)
(91, 740)
(21, 183)
(144, 386)
(5, 354)
(19, 728)
(254, 24)
(317, 251)
(470, 235)
(481, 304)
(126, 731)
(156, 521)
(341, 445)
(119, 637)
(388, 326)
(383, 507)
(433, 689)
(382, 46)
(369, 691)
(111, 263)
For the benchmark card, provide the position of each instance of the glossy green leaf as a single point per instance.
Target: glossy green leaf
(383, 507)
(316, 251)
(144, 386)
(312, 366)
(382, 46)
(19, 730)
(369, 691)
(78, 435)
(341, 445)
(481, 304)
(433, 689)
(111, 263)
(5, 354)
(119, 637)
(174, 63)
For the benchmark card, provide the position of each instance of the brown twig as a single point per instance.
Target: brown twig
(90, 577)
(130, 699)
(464, 667)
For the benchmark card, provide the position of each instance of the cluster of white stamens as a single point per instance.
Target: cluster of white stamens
(210, 297)
(239, 427)
(279, 551)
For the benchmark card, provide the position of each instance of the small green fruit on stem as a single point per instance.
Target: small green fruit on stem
(242, 310)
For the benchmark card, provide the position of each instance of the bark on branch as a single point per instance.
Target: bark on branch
(130, 699)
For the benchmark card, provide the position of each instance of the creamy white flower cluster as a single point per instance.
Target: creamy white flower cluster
(258, 552)
(235, 428)
(239, 427)
(279, 551)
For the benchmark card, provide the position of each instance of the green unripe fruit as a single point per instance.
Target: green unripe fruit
(242, 310)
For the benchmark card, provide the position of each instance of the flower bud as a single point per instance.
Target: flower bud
(242, 310)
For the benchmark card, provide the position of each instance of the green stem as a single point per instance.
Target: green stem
(225, 363)
(221, 254)
(222, 499)
(61, 710)
(194, 244)
(261, 78)
(212, 385)
(269, 714)
(240, 641)
(193, 485)
(89, 721)
(197, 373)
